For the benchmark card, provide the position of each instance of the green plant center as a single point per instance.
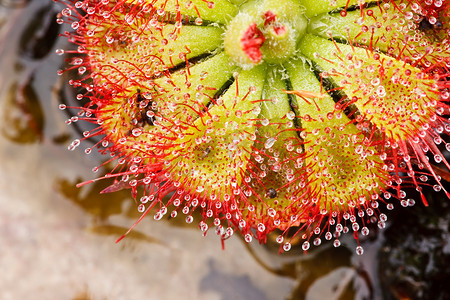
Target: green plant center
(265, 31)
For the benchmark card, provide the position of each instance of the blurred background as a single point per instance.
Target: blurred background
(58, 241)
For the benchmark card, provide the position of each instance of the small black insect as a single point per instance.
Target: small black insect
(139, 96)
(206, 151)
(425, 25)
(271, 193)
(142, 116)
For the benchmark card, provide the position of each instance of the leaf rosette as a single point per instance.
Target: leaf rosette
(267, 115)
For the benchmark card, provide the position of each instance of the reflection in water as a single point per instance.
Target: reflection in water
(113, 230)
(69, 232)
(13, 3)
(90, 200)
(227, 285)
(23, 120)
(315, 274)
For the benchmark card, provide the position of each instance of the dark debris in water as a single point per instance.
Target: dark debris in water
(40, 35)
(415, 260)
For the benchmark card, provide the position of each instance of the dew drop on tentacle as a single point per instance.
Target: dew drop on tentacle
(248, 238)
(287, 247)
(305, 246)
(74, 144)
(359, 250)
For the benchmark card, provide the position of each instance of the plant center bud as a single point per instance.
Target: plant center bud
(267, 31)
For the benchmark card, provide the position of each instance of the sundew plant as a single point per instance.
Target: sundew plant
(304, 117)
